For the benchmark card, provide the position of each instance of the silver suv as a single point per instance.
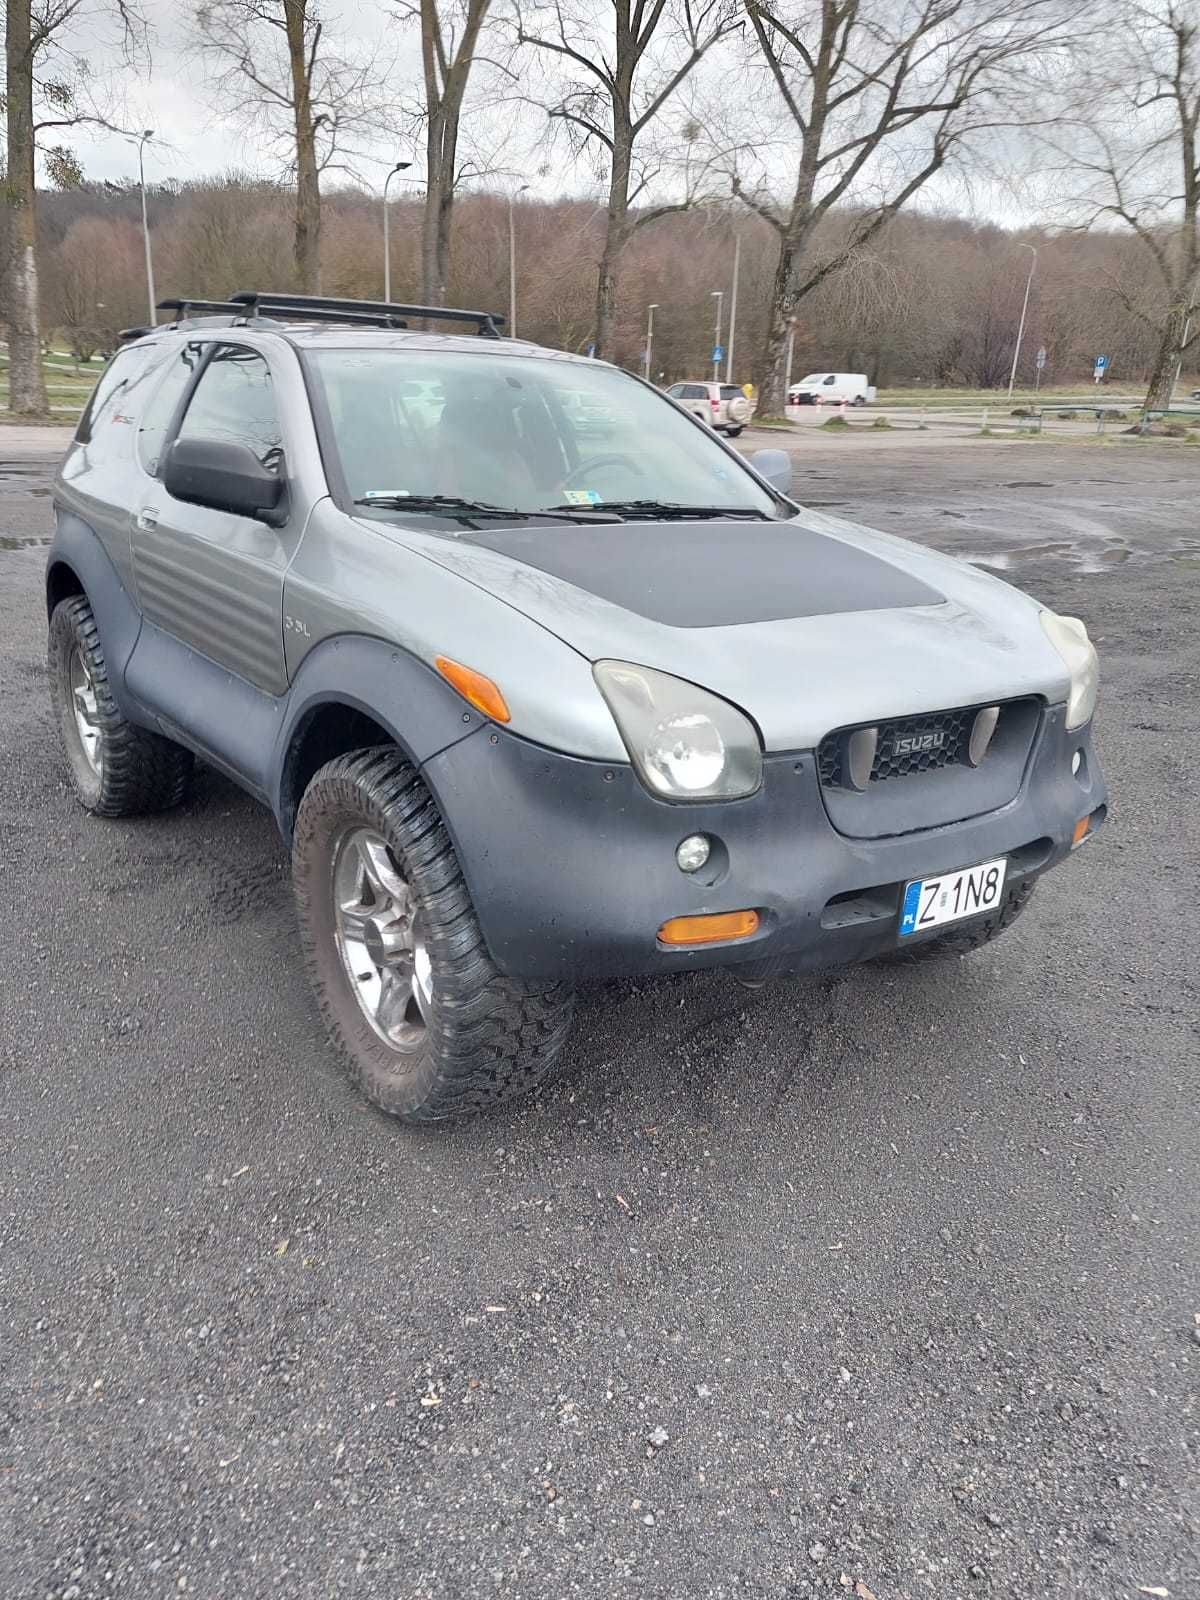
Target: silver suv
(542, 681)
(723, 405)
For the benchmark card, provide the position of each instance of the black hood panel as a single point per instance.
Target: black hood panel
(711, 574)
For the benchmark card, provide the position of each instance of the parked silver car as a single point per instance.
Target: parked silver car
(541, 680)
(723, 405)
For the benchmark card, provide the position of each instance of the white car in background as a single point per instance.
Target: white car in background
(723, 405)
(832, 389)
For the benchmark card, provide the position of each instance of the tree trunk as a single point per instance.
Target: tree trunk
(308, 191)
(772, 376)
(616, 236)
(435, 219)
(26, 384)
(1162, 377)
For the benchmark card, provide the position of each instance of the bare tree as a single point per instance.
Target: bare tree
(1135, 140)
(877, 96)
(46, 87)
(450, 35)
(620, 71)
(277, 73)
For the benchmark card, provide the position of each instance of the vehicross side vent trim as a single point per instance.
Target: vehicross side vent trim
(906, 746)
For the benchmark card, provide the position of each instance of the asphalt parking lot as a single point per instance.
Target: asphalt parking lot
(881, 1283)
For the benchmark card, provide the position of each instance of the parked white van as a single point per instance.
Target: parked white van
(831, 388)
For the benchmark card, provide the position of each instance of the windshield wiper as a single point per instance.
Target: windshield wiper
(460, 510)
(672, 510)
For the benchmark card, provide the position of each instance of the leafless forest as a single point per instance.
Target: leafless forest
(839, 147)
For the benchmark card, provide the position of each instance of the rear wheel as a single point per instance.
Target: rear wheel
(732, 433)
(428, 1027)
(117, 769)
(971, 935)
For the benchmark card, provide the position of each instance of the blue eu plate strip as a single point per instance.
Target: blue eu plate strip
(908, 911)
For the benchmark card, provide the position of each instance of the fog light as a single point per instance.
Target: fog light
(691, 853)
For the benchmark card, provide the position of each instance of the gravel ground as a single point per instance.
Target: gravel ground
(881, 1283)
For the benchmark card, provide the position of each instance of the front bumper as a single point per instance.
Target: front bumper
(571, 863)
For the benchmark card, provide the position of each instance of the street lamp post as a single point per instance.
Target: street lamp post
(1012, 377)
(737, 262)
(718, 295)
(141, 146)
(650, 310)
(401, 166)
(512, 265)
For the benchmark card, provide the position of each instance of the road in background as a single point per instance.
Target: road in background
(888, 1276)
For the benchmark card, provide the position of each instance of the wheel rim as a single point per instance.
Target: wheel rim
(86, 709)
(380, 941)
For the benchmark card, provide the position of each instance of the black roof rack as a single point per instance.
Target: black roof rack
(243, 311)
(375, 313)
(204, 308)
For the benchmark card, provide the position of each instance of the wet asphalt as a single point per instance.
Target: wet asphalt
(884, 1282)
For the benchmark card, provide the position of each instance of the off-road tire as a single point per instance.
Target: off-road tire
(732, 433)
(972, 935)
(139, 771)
(488, 1038)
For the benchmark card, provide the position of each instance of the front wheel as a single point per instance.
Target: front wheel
(427, 1026)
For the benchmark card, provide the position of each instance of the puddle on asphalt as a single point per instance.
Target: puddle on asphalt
(30, 541)
(1086, 557)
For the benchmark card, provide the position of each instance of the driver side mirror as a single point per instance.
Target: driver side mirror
(222, 474)
(776, 467)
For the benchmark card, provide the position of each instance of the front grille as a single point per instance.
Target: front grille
(954, 727)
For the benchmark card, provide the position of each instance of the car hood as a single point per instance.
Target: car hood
(807, 625)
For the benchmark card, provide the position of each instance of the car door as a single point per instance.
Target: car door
(214, 579)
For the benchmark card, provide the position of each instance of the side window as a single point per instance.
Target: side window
(160, 406)
(831, 380)
(675, 390)
(235, 401)
(117, 376)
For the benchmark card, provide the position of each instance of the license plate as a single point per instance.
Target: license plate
(928, 902)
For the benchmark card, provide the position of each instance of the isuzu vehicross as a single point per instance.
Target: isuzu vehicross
(533, 700)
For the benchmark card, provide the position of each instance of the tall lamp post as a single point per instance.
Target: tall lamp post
(401, 166)
(512, 264)
(141, 146)
(1012, 377)
(650, 310)
(718, 295)
(737, 262)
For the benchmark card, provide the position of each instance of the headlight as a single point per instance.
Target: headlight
(685, 743)
(1070, 638)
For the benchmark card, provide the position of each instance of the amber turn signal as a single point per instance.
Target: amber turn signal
(1081, 828)
(483, 694)
(709, 929)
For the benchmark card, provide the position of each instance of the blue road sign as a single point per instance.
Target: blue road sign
(718, 352)
(591, 349)
(1101, 363)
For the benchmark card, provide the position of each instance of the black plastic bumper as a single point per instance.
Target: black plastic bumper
(571, 863)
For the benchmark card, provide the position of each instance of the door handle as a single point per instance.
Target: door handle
(148, 517)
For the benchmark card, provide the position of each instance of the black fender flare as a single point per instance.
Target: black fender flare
(77, 547)
(417, 709)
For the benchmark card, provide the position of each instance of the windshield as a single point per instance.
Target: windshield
(517, 432)
(814, 377)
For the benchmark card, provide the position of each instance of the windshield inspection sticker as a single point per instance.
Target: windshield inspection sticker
(582, 497)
